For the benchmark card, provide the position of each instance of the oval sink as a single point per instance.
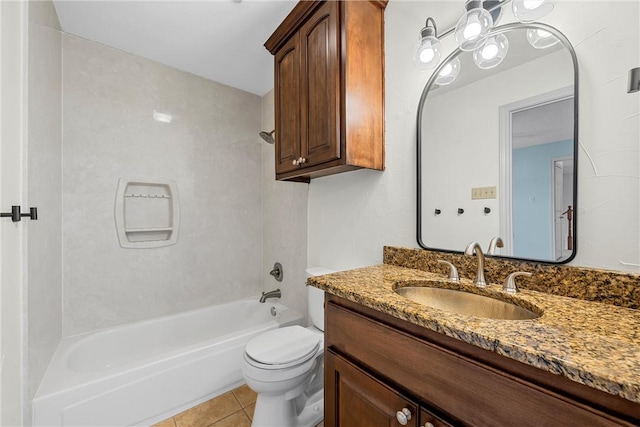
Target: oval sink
(465, 303)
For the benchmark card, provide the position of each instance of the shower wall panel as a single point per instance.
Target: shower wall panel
(211, 150)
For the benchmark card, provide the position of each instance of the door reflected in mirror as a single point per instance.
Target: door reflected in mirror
(499, 145)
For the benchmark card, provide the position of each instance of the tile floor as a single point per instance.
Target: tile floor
(231, 409)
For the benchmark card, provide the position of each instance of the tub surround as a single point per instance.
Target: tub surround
(609, 287)
(588, 342)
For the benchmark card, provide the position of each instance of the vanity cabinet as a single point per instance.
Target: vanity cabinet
(329, 88)
(363, 399)
(360, 399)
(378, 364)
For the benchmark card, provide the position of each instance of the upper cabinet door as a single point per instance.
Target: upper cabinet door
(287, 104)
(320, 78)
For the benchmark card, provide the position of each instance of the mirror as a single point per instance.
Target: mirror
(497, 149)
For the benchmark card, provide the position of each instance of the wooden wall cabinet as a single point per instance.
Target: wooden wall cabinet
(329, 88)
(376, 365)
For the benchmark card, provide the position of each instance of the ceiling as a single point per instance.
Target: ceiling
(221, 40)
(546, 123)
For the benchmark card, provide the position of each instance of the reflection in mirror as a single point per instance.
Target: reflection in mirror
(499, 145)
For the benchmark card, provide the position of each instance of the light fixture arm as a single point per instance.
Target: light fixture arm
(429, 29)
(489, 9)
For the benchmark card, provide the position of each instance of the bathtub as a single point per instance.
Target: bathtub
(144, 372)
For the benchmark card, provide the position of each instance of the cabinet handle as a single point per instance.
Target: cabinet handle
(403, 416)
(295, 162)
(303, 160)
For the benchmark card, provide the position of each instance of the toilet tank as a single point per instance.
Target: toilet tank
(315, 298)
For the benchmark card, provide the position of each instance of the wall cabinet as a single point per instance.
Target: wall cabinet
(329, 88)
(378, 365)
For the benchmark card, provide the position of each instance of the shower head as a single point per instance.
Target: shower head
(268, 136)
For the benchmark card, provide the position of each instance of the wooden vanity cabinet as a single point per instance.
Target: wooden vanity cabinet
(329, 88)
(363, 400)
(378, 364)
(360, 399)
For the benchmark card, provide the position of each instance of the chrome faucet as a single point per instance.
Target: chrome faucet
(471, 249)
(496, 242)
(270, 294)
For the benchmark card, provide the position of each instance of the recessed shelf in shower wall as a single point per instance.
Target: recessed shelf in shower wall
(147, 213)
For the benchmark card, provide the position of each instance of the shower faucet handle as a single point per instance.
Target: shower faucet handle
(277, 272)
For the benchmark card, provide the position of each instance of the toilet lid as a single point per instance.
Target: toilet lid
(284, 345)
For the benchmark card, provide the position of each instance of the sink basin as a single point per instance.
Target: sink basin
(465, 303)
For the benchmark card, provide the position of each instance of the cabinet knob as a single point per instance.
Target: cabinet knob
(295, 162)
(428, 424)
(403, 416)
(303, 160)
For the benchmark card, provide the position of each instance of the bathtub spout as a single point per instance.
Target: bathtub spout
(270, 294)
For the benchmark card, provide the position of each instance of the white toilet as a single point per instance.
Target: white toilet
(285, 368)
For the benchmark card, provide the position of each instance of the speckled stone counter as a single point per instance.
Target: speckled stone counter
(588, 342)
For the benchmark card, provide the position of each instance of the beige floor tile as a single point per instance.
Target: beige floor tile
(250, 410)
(165, 423)
(239, 419)
(208, 412)
(245, 395)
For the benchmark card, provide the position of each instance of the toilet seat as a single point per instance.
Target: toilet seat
(283, 348)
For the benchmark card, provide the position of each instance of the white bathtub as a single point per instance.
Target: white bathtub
(144, 372)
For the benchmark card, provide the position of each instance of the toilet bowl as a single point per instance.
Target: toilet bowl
(285, 368)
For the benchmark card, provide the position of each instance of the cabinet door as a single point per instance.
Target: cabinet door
(287, 104)
(353, 398)
(320, 93)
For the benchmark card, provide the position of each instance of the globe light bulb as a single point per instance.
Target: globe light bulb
(531, 10)
(427, 51)
(472, 27)
(532, 4)
(541, 39)
(489, 52)
(492, 52)
(448, 73)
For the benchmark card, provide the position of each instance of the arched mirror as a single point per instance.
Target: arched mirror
(497, 149)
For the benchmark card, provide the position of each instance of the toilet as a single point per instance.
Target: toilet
(285, 368)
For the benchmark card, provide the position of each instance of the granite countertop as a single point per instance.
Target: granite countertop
(588, 342)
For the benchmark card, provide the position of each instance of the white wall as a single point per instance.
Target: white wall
(351, 216)
(285, 223)
(211, 150)
(44, 156)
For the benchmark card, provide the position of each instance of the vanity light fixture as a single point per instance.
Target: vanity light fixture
(428, 51)
(473, 32)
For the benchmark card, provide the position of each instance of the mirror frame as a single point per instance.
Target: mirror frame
(499, 30)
